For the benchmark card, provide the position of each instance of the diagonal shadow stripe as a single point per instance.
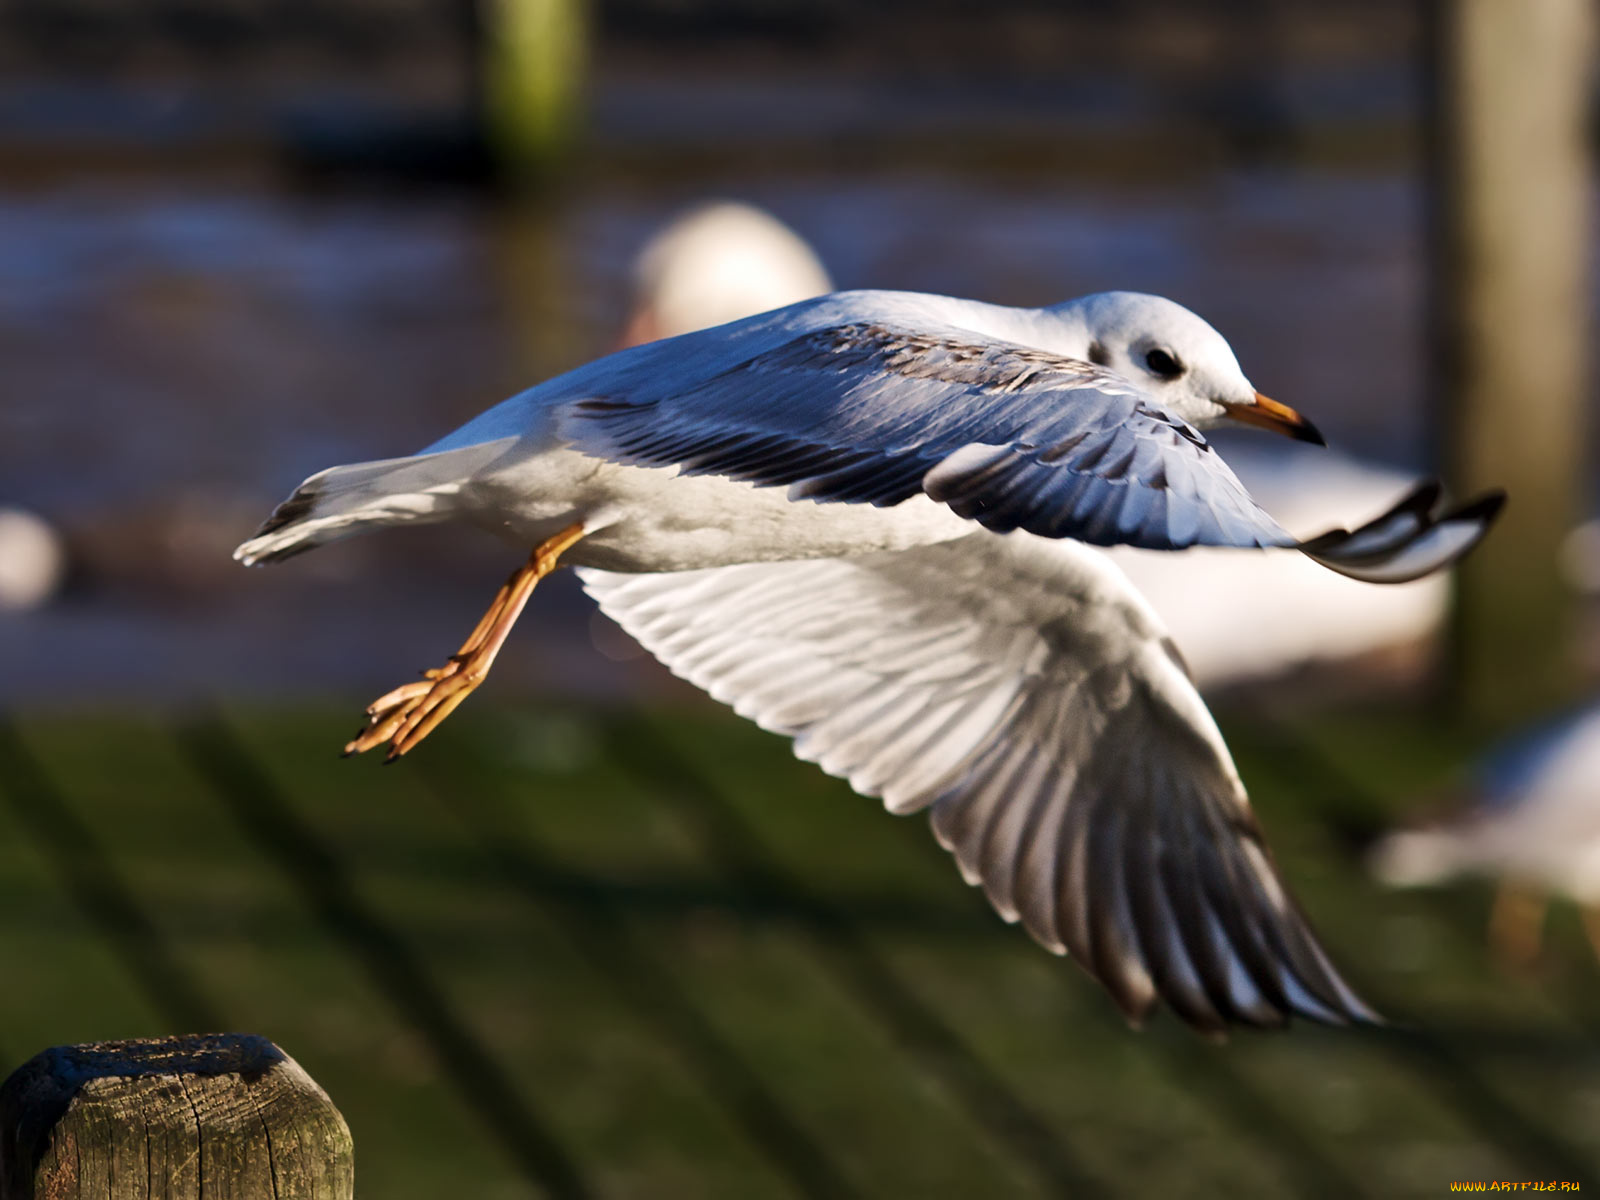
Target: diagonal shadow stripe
(673, 897)
(1257, 1117)
(1449, 1074)
(598, 929)
(941, 1052)
(261, 810)
(94, 884)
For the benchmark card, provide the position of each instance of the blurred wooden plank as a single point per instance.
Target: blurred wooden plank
(617, 1097)
(1509, 210)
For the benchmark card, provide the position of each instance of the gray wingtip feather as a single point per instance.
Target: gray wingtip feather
(1410, 540)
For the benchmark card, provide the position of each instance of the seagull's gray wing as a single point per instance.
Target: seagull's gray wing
(1021, 691)
(873, 412)
(1012, 437)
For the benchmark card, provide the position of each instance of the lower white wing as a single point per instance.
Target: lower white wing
(1022, 691)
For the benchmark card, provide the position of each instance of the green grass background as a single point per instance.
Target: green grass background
(573, 951)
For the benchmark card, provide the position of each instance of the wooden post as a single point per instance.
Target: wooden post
(526, 71)
(218, 1115)
(1509, 209)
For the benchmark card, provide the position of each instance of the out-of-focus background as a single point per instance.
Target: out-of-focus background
(597, 936)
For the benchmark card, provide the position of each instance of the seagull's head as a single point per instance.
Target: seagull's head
(1179, 359)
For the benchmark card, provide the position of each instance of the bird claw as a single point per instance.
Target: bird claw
(409, 713)
(391, 700)
(451, 666)
(405, 715)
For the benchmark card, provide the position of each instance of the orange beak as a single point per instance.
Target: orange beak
(1267, 413)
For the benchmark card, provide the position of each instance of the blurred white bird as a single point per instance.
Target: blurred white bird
(33, 560)
(1530, 820)
(860, 520)
(1580, 558)
(722, 260)
(716, 263)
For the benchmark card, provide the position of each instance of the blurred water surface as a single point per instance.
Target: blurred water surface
(180, 354)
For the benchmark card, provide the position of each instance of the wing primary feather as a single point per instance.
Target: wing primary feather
(1003, 838)
(1226, 893)
(962, 815)
(1309, 963)
(1278, 934)
(1072, 900)
(1116, 961)
(1040, 861)
(1409, 540)
(1223, 975)
(1161, 935)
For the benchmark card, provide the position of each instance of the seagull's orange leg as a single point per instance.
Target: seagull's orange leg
(1516, 924)
(412, 711)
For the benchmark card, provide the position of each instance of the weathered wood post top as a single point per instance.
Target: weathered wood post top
(215, 1115)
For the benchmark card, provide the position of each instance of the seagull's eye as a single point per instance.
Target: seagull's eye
(1163, 364)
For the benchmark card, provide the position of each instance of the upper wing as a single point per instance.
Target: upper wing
(876, 410)
(1021, 691)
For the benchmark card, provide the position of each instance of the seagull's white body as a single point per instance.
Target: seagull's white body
(859, 520)
(652, 519)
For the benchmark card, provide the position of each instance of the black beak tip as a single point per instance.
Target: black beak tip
(1307, 432)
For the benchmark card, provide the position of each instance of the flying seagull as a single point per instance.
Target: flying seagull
(867, 521)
